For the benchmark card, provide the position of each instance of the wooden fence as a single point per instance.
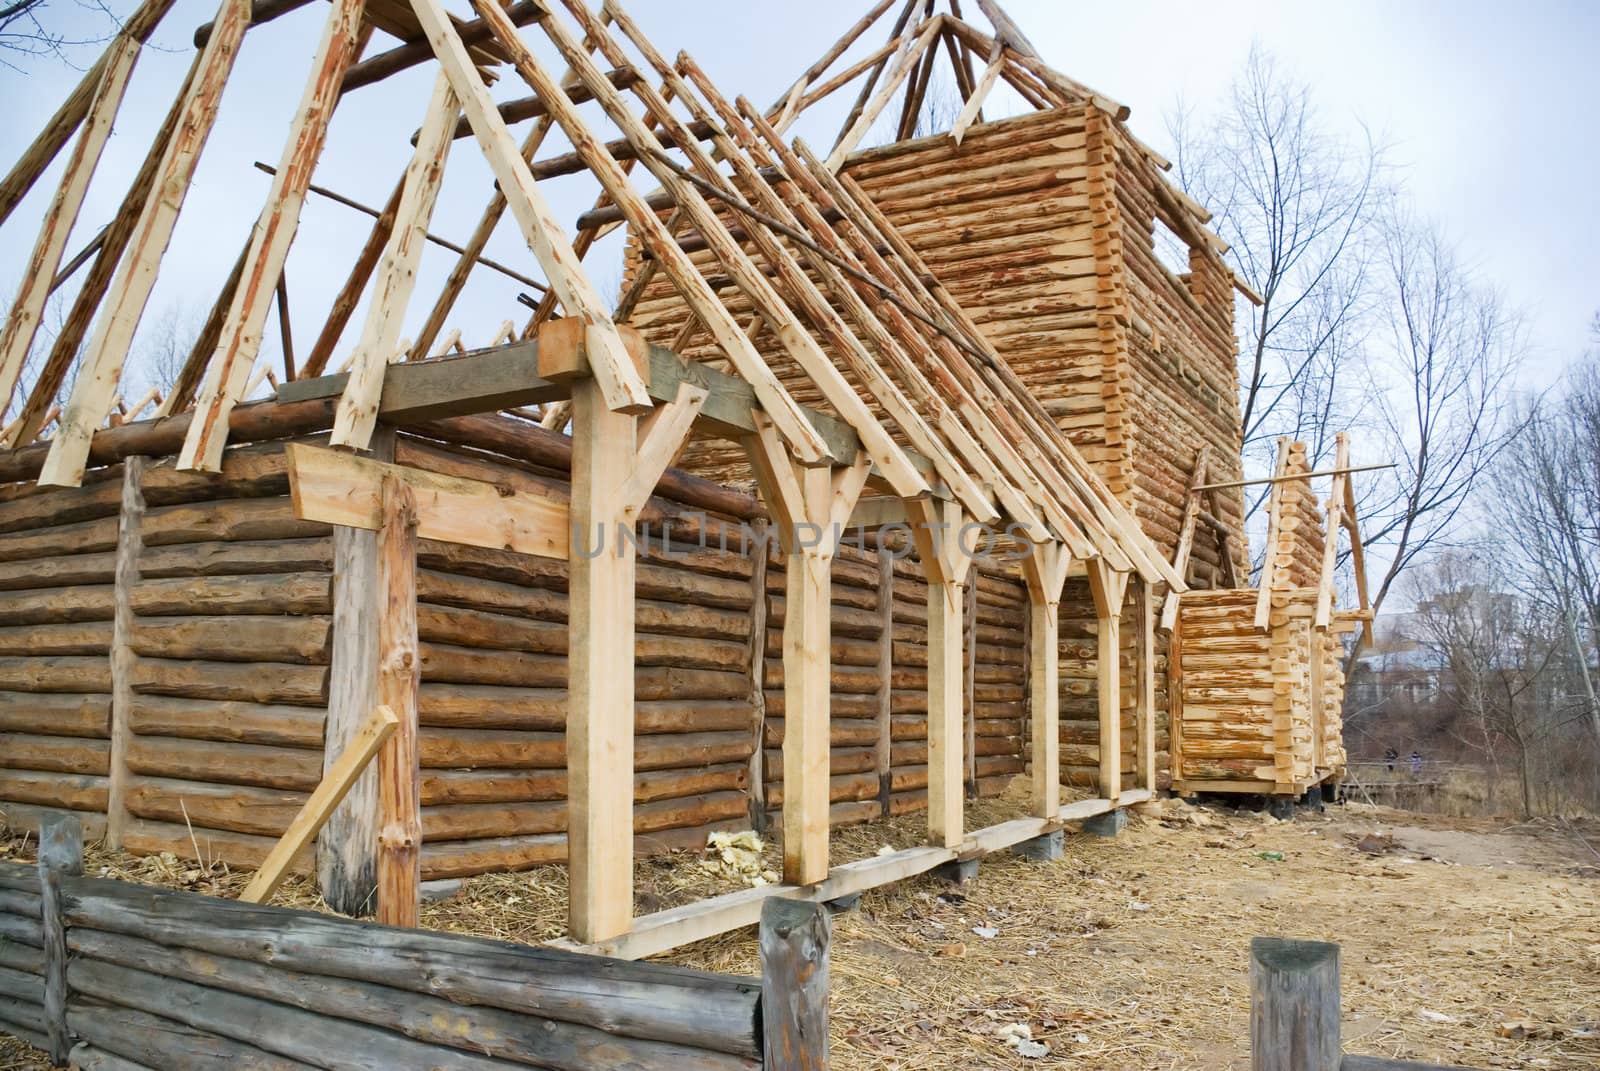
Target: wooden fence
(120, 976)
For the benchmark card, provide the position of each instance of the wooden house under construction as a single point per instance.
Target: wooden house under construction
(701, 558)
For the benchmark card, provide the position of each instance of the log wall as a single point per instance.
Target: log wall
(229, 639)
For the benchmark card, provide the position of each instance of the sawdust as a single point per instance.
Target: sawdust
(1130, 954)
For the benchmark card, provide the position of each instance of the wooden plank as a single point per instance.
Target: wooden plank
(16, 339)
(397, 273)
(601, 571)
(130, 545)
(794, 944)
(619, 381)
(96, 384)
(60, 856)
(399, 677)
(342, 489)
(329, 793)
(1294, 1005)
(228, 373)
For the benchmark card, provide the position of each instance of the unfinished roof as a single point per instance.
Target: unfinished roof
(885, 352)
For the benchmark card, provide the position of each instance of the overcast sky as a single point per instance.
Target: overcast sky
(1488, 107)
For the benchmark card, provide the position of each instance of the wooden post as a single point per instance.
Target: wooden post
(760, 553)
(937, 530)
(600, 668)
(129, 545)
(1108, 588)
(60, 855)
(1294, 1005)
(1045, 570)
(347, 847)
(399, 676)
(969, 693)
(1145, 691)
(885, 747)
(794, 984)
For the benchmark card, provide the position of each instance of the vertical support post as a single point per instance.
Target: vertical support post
(600, 668)
(794, 984)
(399, 675)
(60, 855)
(760, 552)
(130, 542)
(808, 700)
(969, 694)
(937, 530)
(1294, 1005)
(347, 848)
(1108, 588)
(1145, 690)
(884, 752)
(1045, 572)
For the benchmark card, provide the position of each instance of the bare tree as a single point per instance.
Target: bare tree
(1440, 374)
(33, 29)
(1292, 199)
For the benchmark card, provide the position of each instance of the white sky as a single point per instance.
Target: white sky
(1488, 107)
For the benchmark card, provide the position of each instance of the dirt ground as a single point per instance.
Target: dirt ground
(1465, 941)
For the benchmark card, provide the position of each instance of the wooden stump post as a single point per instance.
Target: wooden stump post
(60, 855)
(794, 984)
(399, 676)
(130, 541)
(1294, 1005)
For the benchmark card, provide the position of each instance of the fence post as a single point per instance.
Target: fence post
(794, 984)
(1294, 1005)
(60, 854)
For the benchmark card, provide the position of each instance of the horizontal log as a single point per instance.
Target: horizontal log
(159, 1043)
(628, 999)
(58, 571)
(291, 769)
(279, 593)
(58, 754)
(246, 520)
(65, 791)
(89, 603)
(226, 721)
(244, 638)
(55, 714)
(242, 558)
(83, 638)
(253, 682)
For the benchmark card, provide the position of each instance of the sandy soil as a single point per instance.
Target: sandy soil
(1131, 953)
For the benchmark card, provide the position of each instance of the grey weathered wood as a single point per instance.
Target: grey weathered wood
(60, 856)
(16, 902)
(88, 1058)
(347, 847)
(23, 877)
(130, 542)
(23, 931)
(431, 1020)
(794, 984)
(1294, 1005)
(21, 986)
(25, 1021)
(643, 1000)
(1377, 1063)
(156, 1042)
(20, 957)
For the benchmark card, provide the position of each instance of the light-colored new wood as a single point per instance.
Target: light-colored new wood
(1045, 570)
(335, 785)
(23, 323)
(240, 341)
(399, 676)
(1108, 588)
(338, 488)
(96, 384)
(397, 273)
(939, 531)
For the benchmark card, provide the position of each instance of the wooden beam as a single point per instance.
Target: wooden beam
(355, 284)
(601, 569)
(1191, 514)
(1274, 520)
(399, 677)
(1045, 571)
(1335, 471)
(16, 339)
(1330, 540)
(1108, 588)
(980, 92)
(97, 378)
(340, 488)
(1145, 686)
(336, 783)
(397, 273)
(869, 115)
(938, 532)
(621, 385)
(229, 371)
(794, 985)
(58, 130)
